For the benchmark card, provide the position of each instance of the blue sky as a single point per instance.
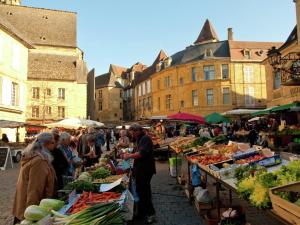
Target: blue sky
(124, 32)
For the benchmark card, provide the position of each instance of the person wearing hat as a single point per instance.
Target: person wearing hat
(143, 170)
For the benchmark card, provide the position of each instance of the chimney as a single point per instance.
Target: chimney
(230, 34)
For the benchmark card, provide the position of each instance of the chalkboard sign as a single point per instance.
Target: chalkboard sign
(5, 155)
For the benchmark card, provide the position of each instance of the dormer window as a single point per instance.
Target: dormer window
(260, 52)
(208, 53)
(167, 62)
(158, 67)
(247, 53)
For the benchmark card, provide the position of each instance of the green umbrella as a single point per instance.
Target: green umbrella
(285, 107)
(216, 118)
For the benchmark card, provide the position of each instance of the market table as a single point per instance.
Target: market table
(229, 184)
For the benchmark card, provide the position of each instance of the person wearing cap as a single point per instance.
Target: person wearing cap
(143, 170)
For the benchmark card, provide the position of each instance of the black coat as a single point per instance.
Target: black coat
(60, 165)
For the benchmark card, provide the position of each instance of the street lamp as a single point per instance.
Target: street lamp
(288, 66)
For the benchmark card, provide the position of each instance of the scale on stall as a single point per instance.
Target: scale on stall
(5, 157)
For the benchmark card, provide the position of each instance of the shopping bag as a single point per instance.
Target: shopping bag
(196, 176)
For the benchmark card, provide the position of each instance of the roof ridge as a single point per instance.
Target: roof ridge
(31, 7)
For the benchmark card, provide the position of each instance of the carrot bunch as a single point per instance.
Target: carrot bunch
(88, 198)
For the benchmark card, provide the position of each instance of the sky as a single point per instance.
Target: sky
(124, 32)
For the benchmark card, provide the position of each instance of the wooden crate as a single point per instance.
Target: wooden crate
(283, 208)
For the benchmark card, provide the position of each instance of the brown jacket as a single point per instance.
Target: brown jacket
(36, 181)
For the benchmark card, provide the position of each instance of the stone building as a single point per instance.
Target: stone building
(57, 73)
(278, 92)
(13, 75)
(211, 76)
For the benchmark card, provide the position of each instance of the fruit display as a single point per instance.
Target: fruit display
(250, 159)
(211, 159)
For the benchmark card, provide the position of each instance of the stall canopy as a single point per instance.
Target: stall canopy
(75, 123)
(239, 112)
(187, 117)
(11, 124)
(262, 112)
(285, 107)
(216, 118)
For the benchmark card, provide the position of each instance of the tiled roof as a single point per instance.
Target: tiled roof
(42, 26)
(5, 25)
(292, 38)
(52, 67)
(197, 52)
(107, 80)
(117, 70)
(207, 33)
(258, 50)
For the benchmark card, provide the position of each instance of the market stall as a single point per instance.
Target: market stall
(99, 195)
(250, 172)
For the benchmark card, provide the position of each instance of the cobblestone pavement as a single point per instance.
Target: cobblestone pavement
(8, 181)
(171, 205)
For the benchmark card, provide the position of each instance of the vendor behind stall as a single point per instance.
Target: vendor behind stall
(143, 170)
(37, 176)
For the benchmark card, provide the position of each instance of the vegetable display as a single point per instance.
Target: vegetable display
(109, 179)
(98, 214)
(86, 199)
(81, 185)
(255, 186)
(51, 204)
(101, 173)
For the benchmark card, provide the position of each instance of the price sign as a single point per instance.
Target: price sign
(5, 156)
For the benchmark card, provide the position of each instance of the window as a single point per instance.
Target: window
(36, 92)
(121, 94)
(210, 96)
(167, 82)
(226, 96)
(144, 104)
(14, 87)
(61, 93)
(158, 84)
(116, 114)
(181, 81)
(194, 97)
(168, 102)
(35, 112)
(144, 88)
(181, 104)
(225, 74)
(61, 112)
(158, 103)
(121, 105)
(247, 54)
(100, 93)
(209, 72)
(249, 96)
(100, 106)
(16, 57)
(208, 53)
(248, 74)
(140, 104)
(48, 92)
(1, 47)
(277, 80)
(140, 90)
(149, 103)
(48, 110)
(194, 74)
(148, 86)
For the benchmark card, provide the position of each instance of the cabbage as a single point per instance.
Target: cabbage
(51, 204)
(85, 176)
(35, 213)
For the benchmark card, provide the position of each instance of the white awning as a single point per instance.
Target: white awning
(75, 123)
(240, 112)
